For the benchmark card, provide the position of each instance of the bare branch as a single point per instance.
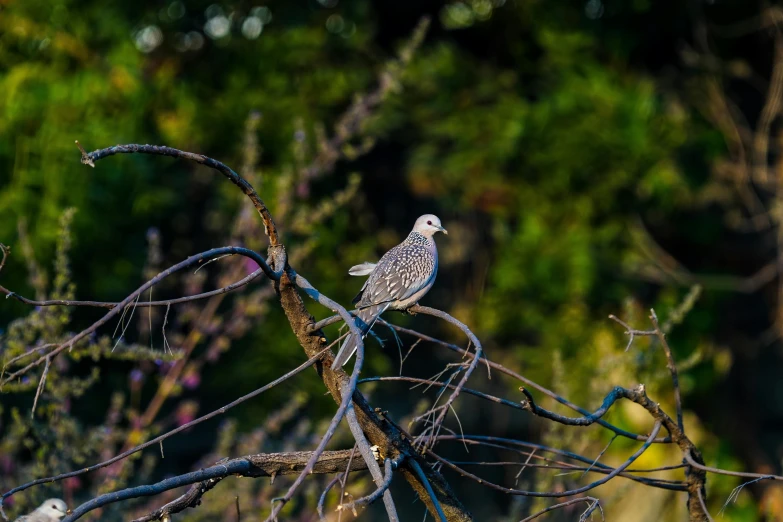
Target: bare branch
(322, 499)
(670, 365)
(41, 385)
(269, 225)
(591, 500)
(261, 465)
(472, 366)
(596, 467)
(701, 466)
(143, 304)
(383, 488)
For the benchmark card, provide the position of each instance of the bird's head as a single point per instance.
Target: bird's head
(428, 225)
(54, 508)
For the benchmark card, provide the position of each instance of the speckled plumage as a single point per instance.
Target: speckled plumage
(402, 276)
(400, 273)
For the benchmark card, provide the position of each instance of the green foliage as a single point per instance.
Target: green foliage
(530, 129)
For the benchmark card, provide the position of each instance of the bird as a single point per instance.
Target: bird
(400, 278)
(51, 510)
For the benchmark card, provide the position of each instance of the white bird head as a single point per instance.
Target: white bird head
(428, 225)
(54, 509)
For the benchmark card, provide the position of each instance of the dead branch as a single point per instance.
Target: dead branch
(261, 465)
(141, 304)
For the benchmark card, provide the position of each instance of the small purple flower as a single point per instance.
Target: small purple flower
(191, 381)
(137, 375)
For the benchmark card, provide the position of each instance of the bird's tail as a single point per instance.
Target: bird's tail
(365, 319)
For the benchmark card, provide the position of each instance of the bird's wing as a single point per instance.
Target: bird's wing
(401, 272)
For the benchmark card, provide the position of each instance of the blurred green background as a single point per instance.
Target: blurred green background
(587, 158)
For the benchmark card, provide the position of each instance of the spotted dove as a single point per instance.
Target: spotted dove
(401, 277)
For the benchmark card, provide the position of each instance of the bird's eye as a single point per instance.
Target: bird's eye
(54, 507)
(429, 222)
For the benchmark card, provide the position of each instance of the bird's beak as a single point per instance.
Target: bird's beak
(444, 230)
(68, 511)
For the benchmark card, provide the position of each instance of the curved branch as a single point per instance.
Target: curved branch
(141, 304)
(593, 502)
(382, 489)
(269, 225)
(472, 366)
(613, 396)
(192, 260)
(322, 499)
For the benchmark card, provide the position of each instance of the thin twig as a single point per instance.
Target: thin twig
(41, 385)
(719, 471)
(670, 365)
(389, 466)
(703, 505)
(472, 366)
(619, 469)
(592, 500)
(322, 499)
(372, 465)
(103, 304)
